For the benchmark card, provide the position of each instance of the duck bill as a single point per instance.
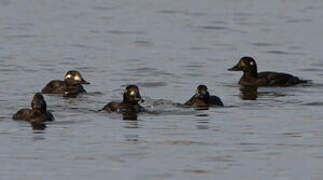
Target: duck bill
(84, 82)
(235, 68)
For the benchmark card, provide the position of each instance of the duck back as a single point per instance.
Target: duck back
(54, 87)
(22, 114)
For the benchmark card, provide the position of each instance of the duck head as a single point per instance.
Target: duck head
(132, 95)
(38, 103)
(245, 64)
(202, 92)
(74, 77)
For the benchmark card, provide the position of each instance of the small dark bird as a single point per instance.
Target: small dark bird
(130, 103)
(251, 77)
(72, 85)
(202, 98)
(38, 112)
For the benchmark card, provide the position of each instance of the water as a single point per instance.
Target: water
(167, 48)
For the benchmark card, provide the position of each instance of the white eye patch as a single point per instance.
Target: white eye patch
(68, 76)
(132, 93)
(251, 63)
(77, 78)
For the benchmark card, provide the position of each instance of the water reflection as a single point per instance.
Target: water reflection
(38, 126)
(248, 92)
(132, 137)
(130, 116)
(130, 119)
(203, 122)
(201, 108)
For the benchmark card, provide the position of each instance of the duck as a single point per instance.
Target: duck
(251, 77)
(38, 112)
(129, 104)
(202, 98)
(72, 85)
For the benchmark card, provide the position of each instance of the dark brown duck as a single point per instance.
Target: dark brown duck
(251, 77)
(72, 85)
(202, 98)
(130, 102)
(38, 112)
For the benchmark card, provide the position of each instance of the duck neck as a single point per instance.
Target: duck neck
(205, 98)
(253, 73)
(39, 111)
(126, 100)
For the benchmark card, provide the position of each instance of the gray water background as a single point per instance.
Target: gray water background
(167, 48)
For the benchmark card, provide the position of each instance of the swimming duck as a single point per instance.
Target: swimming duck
(130, 103)
(38, 112)
(251, 77)
(202, 98)
(72, 85)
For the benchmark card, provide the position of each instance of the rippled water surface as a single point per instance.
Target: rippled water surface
(167, 48)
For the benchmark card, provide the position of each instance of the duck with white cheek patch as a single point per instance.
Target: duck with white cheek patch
(251, 77)
(72, 85)
(129, 104)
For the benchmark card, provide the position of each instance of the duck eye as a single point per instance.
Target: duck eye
(251, 63)
(68, 76)
(77, 78)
